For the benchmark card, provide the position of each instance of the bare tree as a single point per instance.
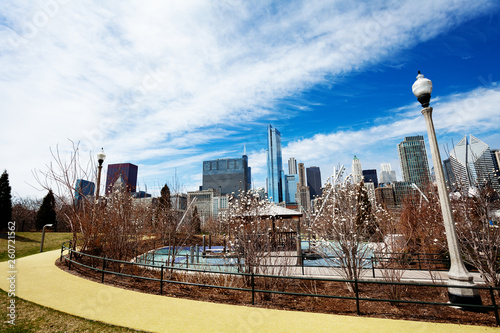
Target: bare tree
(24, 213)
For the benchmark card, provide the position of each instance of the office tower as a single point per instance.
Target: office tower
(314, 181)
(275, 174)
(356, 170)
(473, 164)
(83, 188)
(292, 166)
(370, 176)
(291, 182)
(303, 197)
(128, 171)
(226, 176)
(203, 203)
(413, 160)
(387, 175)
(449, 177)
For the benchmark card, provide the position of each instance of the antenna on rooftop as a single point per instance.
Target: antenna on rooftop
(244, 149)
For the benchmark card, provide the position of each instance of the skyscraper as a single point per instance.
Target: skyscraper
(472, 163)
(413, 160)
(292, 166)
(227, 175)
(357, 171)
(387, 175)
(128, 171)
(314, 181)
(303, 196)
(370, 176)
(275, 174)
(83, 188)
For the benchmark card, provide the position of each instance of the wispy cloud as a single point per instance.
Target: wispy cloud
(153, 81)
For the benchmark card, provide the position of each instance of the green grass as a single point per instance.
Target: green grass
(28, 243)
(31, 317)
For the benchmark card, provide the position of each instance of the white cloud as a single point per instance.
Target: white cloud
(162, 80)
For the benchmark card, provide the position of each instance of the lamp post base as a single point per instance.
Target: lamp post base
(465, 296)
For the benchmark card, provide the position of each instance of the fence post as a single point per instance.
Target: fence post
(373, 267)
(70, 258)
(253, 289)
(187, 260)
(103, 267)
(62, 249)
(161, 281)
(494, 303)
(356, 290)
(302, 262)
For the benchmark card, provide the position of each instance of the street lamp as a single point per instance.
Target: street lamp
(100, 159)
(458, 274)
(43, 235)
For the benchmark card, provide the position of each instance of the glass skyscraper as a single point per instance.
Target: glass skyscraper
(227, 176)
(128, 171)
(314, 181)
(275, 174)
(413, 160)
(472, 164)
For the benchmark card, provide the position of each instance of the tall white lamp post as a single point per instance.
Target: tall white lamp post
(458, 274)
(100, 159)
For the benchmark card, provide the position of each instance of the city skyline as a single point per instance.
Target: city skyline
(167, 86)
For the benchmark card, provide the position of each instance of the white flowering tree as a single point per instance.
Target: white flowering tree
(248, 229)
(478, 234)
(344, 225)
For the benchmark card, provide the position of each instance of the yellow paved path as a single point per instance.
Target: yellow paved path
(40, 281)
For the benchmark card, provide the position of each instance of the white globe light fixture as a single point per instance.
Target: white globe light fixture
(458, 274)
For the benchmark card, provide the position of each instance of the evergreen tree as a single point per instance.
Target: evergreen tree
(365, 220)
(5, 201)
(195, 221)
(164, 201)
(47, 213)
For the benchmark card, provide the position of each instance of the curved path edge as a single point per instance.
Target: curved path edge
(38, 280)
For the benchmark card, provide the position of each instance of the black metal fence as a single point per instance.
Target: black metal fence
(101, 265)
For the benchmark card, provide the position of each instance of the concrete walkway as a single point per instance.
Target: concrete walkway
(40, 281)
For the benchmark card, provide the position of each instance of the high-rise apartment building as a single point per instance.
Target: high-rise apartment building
(413, 160)
(227, 176)
(472, 164)
(275, 174)
(303, 196)
(128, 171)
(314, 181)
(292, 166)
(387, 175)
(356, 170)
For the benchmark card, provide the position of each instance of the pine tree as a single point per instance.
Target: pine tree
(365, 220)
(164, 201)
(5, 201)
(47, 213)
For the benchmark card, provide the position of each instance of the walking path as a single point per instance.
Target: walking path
(40, 281)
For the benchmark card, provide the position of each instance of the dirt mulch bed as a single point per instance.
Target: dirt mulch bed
(417, 312)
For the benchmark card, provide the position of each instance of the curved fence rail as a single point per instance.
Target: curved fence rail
(103, 266)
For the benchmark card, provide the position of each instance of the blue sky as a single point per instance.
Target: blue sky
(166, 85)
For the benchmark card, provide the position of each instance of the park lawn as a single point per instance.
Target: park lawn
(31, 317)
(28, 243)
